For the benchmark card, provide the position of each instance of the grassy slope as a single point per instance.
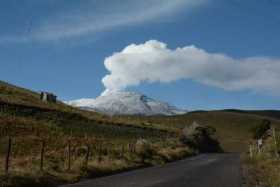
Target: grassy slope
(233, 127)
(275, 114)
(23, 103)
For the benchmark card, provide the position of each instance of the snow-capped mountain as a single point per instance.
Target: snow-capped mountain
(126, 103)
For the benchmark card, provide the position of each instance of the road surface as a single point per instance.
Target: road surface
(208, 170)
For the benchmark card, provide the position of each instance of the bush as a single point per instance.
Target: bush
(200, 138)
(260, 129)
(144, 149)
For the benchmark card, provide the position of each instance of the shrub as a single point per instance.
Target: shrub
(260, 129)
(144, 149)
(200, 138)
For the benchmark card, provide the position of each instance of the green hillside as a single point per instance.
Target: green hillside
(265, 113)
(233, 126)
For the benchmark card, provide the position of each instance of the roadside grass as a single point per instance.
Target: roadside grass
(262, 168)
(262, 171)
(25, 169)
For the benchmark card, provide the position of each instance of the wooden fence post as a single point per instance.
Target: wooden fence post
(100, 152)
(7, 163)
(275, 142)
(87, 156)
(122, 152)
(42, 155)
(129, 148)
(251, 151)
(133, 148)
(69, 156)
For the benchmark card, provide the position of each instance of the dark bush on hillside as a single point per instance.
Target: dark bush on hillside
(260, 129)
(200, 138)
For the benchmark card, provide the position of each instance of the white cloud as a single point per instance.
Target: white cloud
(94, 16)
(153, 61)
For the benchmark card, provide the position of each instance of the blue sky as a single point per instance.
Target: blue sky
(60, 46)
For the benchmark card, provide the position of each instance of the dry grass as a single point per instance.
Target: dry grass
(99, 164)
(263, 169)
(262, 172)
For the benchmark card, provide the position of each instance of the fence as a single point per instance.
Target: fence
(39, 153)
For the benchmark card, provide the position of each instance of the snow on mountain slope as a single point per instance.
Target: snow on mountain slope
(126, 103)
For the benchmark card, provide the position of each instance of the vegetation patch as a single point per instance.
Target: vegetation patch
(200, 138)
(262, 162)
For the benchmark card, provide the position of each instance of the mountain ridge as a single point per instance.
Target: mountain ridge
(126, 103)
